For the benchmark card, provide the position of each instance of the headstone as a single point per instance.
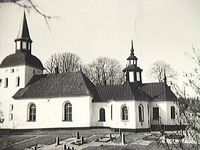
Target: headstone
(110, 136)
(57, 141)
(120, 133)
(65, 147)
(123, 138)
(82, 140)
(35, 147)
(77, 135)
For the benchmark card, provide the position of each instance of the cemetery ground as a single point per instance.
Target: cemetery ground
(98, 139)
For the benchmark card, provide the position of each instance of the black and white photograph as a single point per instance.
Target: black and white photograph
(99, 74)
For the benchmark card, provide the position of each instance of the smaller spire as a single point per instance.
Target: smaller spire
(165, 77)
(132, 49)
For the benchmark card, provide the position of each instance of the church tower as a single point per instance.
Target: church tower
(17, 69)
(23, 40)
(132, 71)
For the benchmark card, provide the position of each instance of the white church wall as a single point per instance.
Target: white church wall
(164, 112)
(96, 116)
(146, 122)
(117, 121)
(49, 113)
(24, 73)
(11, 73)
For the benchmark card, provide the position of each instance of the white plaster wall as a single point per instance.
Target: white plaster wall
(117, 121)
(146, 123)
(95, 114)
(25, 73)
(49, 113)
(164, 112)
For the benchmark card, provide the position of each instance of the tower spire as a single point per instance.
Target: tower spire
(23, 40)
(132, 49)
(165, 77)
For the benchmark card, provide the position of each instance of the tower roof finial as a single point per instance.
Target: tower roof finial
(132, 49)
(165, 77)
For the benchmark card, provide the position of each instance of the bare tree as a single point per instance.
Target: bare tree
(161, 68)
(189, 110)
(64, 62)
(28, 5)
(105, 71)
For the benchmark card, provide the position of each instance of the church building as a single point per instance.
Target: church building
(30, 99)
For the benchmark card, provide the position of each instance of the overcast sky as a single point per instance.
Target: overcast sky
(161, 30)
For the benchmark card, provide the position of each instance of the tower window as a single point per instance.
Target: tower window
(6, 83)
(17, 81)
(24, 45)
(12, 70)
(18, 44)
(102, 116)
(11, 107)
(10, 116)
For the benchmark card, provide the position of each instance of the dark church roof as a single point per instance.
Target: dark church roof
(20, 58)
(158, 91)
(126, 91)
(77, 84)
(57, 85)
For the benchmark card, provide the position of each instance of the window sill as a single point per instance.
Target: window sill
(125, 120)
(67, 120)
(101, 121)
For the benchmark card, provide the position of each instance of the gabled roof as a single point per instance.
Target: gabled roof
(57, 85)
(126, 91)
(158, 91)
(77, 84)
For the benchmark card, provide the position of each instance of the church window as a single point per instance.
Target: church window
(172, 112)
(141, 112)
(102, 116)
(17, 81)
(0, 82)
(124, 113)
(155, 113)
(24, 45)
(68, 112)
(32, 112)
(6, 83)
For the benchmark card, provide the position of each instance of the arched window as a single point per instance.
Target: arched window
(102, 116)
(172, 112)
(32, 112)
(141, 112)
(68, 112)
(124, 113)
